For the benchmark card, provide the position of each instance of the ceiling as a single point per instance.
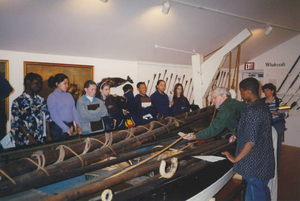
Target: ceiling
(130, 29)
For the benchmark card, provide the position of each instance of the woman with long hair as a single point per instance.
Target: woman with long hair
(179, 103)
(115, 115)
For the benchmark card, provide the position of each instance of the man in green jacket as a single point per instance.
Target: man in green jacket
(228, 116)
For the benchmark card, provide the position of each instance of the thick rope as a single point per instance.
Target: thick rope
(40, 157)
(88, 143)
(107, 143)
(62, 154)
(8, 177)
(39, 167)
(153, 122)
(151, 157)
(176, 121)
(150, 130)
(108, 140)
(87, 146)
(130, 134)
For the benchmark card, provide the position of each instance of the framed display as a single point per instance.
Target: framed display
(249, 66)
(4, 104)
(78, 75)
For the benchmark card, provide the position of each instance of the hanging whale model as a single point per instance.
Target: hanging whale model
(116, 81)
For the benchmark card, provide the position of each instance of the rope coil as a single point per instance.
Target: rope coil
(171, 172)
(107, 195)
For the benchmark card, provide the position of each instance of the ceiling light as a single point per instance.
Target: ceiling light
(268, 29)
(166, 7)
(104, 1)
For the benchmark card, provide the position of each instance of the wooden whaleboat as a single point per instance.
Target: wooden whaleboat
(39, 174)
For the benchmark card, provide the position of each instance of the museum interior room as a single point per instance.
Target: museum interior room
(201, 44)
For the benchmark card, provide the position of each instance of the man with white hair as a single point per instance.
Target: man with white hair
(228, 116)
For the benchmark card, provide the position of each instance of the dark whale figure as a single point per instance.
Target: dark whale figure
(115, 81)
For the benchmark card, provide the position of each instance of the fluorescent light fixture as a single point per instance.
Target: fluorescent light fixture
(166, 7)
(268, 29)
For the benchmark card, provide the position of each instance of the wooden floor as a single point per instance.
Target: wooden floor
(289, 174)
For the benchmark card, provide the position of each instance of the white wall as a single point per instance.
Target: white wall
(286, 53)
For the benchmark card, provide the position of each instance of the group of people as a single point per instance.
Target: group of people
(251, 126)
(36, 120)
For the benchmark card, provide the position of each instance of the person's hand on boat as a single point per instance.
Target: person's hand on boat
(79, 131)
(229, 156)
(190, 137)
(232, 139)
(70, 132)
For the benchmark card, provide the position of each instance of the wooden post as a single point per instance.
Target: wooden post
(205, 72)
(197, 60)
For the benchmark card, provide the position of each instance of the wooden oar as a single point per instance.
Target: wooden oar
(165, 74)
(152, 84)
(288, 74)
(169, 83)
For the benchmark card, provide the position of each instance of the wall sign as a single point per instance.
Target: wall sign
(249, 66)
(269, 64)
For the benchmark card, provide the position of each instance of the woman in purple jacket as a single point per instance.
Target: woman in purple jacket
(62, 109)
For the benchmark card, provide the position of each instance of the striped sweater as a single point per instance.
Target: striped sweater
(272, 106)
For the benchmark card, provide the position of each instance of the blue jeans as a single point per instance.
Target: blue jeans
(280, 128)
(257, 189)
